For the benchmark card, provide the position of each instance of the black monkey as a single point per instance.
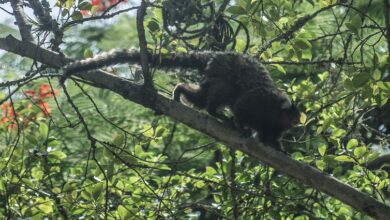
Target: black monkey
(244, 85)
(230, 80)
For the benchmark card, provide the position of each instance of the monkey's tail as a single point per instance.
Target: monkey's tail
(191, 60)
(193, 96)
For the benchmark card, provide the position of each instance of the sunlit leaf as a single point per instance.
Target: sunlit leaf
(344, 158)
(352, 143)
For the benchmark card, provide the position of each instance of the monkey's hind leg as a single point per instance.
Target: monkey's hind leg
(193, 95)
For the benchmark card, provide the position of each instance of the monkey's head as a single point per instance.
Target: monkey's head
(289, 115)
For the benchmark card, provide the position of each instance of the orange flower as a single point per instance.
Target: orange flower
(95, 2)
(45, 91)
(102, 5)
(30, 93)
(8, 114)
(84, 13)
(7, 110)
(12, 126)
(46, 110)
(4, 120)
(5, 106)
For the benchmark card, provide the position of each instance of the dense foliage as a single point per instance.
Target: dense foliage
(86, 153)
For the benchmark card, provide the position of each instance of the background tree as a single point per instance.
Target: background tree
(96, 148)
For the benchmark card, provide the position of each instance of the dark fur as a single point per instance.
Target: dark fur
(243, 84)
(230, 80)
(192, 60)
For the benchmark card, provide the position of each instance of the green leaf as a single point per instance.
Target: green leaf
(283, 20)
(86, 195)
(359, 151)
(37, 173)
(43, 130)
(240, 45)
(352, 143)
(88, 53)
(123, 213)
(64, 12)
(385, 86)
(376, 75)
(97, 191)
(302, 118)
(381, 184)
(66, 4)
(46, 208)
(160, 131)
(279, 68)
(53, 142)
(367, 91)
(56, 190)
(320, 164)
(360, 79)
(307, 54)
(311, 2)
(210, 171)
(348, 84)
(356, 21)
(84, 6)
(119, 139)
(372, 156)
(352, 28)
(57, 154)
(77, 16)
(181, 50)
(302, 44)
(354, 24)
(95, 9)
(200, 184)
(381, 99)
(344, 158)
(322, 148)
(153, 25)
(297, 156)
(133, 179)
(138, 150)
(338, 132)
(236, 10)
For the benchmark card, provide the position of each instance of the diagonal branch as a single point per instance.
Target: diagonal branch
(208, 125)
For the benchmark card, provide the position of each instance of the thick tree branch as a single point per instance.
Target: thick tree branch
(208, 125)
(22, 21)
